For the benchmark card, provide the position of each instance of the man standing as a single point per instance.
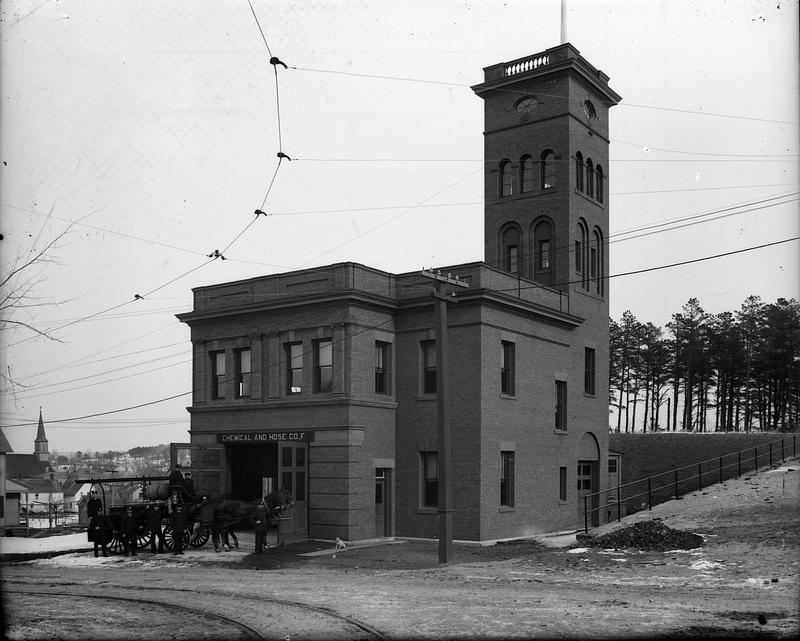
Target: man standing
(188, 487)
(94, 506)
(177, 523)
(155, 528)
(101, 530)
(260, 520)
(176, 482)
(128, 531)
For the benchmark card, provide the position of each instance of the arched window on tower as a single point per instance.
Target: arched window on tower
(589, 177)
(579, 171)
(527, 174)
(511, 249)
(598, 176)
(506, 179)
(548, 169)
(598, 261)
(581, 249)
(543, 244)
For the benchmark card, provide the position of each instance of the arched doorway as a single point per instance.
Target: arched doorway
(588, 456)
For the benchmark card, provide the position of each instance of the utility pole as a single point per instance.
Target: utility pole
(442, 410)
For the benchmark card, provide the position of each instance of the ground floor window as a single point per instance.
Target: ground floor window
(562, 483)
(507, 479)
(430, 479)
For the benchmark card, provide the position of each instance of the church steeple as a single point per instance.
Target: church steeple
(40, 444)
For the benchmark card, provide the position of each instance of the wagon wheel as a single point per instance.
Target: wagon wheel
(169, 538)
(115, 545)
(142, 537)
(200, 538)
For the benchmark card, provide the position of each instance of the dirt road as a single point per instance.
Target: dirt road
(742, 583)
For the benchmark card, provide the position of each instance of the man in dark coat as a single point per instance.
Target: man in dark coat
(260, 519)
(188, 487)
(177, 522)
(176, 481)
(128, 531)
(155, 529)
(94, 506)
(101, 531)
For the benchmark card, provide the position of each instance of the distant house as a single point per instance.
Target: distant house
(5, 448)
(27, 480)
(40, 495)
(12, 502)
(73, 493)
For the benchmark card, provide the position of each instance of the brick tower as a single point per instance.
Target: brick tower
(546, 169)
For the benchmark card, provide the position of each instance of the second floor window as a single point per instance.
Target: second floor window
(243, 373)
(429, 367)
(507, 368)
(382, 354)
(218, 375)
(561, 405)
(294, 358)
(323, 366)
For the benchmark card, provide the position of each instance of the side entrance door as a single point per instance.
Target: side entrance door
(293, 475)
(587, 474)
(383, 521)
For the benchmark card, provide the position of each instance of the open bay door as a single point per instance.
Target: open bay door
(205, 464)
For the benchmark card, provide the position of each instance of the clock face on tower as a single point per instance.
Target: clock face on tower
(526, 104)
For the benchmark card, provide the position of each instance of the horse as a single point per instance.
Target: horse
(221, 514)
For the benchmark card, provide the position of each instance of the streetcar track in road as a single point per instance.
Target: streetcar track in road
(253, 634)
(360, 625)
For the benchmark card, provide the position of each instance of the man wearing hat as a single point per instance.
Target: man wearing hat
(188, 487)
(260, 521)
(100, 532)
(177, 522)
(156, 531)
(94, 506)
(176, 476)
(128, 530)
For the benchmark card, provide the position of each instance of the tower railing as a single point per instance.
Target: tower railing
(526, 64)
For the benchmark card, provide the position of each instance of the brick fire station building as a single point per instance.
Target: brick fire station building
(324, 380)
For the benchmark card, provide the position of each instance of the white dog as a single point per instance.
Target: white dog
(340, 545)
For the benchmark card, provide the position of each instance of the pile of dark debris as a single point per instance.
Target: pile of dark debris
(646, 535)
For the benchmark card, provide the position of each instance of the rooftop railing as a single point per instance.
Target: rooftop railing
(526, 64)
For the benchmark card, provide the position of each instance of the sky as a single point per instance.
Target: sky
(140, 137)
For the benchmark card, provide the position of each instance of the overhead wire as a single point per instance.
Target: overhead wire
(385, 222)
(373, 327)
(215, 254)
(524, 92)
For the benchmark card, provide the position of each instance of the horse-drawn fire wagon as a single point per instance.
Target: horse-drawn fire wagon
(205, 517)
